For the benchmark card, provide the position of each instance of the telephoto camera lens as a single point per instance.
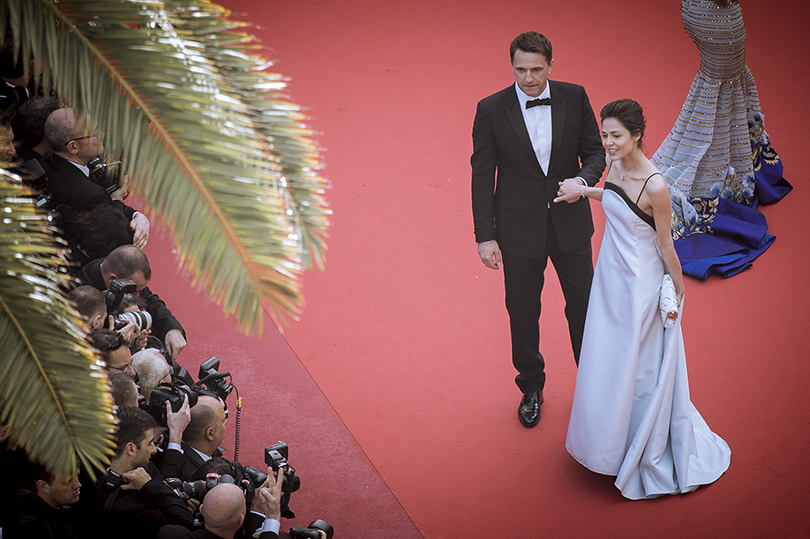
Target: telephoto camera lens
(142, 319)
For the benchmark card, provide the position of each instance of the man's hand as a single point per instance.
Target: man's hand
(140, 224)
(490, 254)
(193, 505)
(178, 421)
(175, 342)
(271, 494)
(135, 479)
(123, 189)
(129, 333)
(569, 191)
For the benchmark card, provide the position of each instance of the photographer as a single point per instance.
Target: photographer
(133, 503)
(39, 512)
(114, 351)
(129, 262)
(73, 147)
(223, 511)
(201, 439)
(152, 370)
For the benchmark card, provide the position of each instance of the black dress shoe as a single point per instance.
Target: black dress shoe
(529, 411)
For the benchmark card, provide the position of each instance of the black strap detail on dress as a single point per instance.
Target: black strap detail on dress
(630, 204)
(645, 185)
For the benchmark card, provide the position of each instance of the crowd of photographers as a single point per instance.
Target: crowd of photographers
(167, 477)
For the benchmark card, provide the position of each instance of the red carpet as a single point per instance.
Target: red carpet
(405, 334)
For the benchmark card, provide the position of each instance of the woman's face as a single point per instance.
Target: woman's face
(617, 140)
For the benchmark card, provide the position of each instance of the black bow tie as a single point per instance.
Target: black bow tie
(538, 102)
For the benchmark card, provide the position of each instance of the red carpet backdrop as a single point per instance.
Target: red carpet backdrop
(403, 344)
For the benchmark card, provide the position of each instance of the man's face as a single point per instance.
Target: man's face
(61, 491)
(146, 448)
(7, 150)
(85, 145)
(531, 71)
(120, 360)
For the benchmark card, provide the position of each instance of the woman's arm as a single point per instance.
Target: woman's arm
(658, 195)
(572, 190)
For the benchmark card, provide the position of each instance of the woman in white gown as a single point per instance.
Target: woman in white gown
(632, 416)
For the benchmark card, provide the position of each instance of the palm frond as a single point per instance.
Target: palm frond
(226, 165)
(52, 391)
(281, 122)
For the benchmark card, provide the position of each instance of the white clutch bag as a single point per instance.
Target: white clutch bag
(668, 302)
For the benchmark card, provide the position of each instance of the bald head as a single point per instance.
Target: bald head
(60, 127)
(223, 509)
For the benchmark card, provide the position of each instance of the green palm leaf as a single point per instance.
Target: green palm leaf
(211, 147)
(52, 391)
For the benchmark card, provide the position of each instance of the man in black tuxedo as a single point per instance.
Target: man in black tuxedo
(223, 510)
(72, 148)
(527, 139)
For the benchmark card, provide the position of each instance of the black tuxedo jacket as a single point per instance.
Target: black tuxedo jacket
(138, 514)
(511, 196)
(71, 187)
(162, 318)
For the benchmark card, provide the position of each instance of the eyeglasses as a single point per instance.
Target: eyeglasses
(81, 138)
(122, 369)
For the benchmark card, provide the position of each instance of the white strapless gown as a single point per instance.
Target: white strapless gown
(632, 416)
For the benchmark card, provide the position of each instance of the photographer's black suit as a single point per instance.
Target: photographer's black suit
(162, 319)
(70, 186)
(513, 203)
(137, 514)
(180, 465)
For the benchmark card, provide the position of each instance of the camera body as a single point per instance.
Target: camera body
(196, 490)
(311, 531)
(175, 392)
(275, 456)
(118, 289)
(213, 380)
(105, 174)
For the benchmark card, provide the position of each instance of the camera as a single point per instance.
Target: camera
(114, 295)
(175, 392)
(196, 490)
(311, 531)
(142, 319)
(105, 174)
(213, 380)
(275, 456)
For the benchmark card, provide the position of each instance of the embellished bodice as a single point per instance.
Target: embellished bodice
(719, 34)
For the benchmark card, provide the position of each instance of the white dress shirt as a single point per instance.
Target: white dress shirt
(538, 124)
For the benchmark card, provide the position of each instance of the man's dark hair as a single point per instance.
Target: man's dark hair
(103, 229)
(221, 466)
(38, 472)
(628, 113)
(88, 300)
(5, 120)
(133, 426)
(122, 389)
(129, 300)
(126, 261)
(105, 342)
(531, 42)
(31, 118)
